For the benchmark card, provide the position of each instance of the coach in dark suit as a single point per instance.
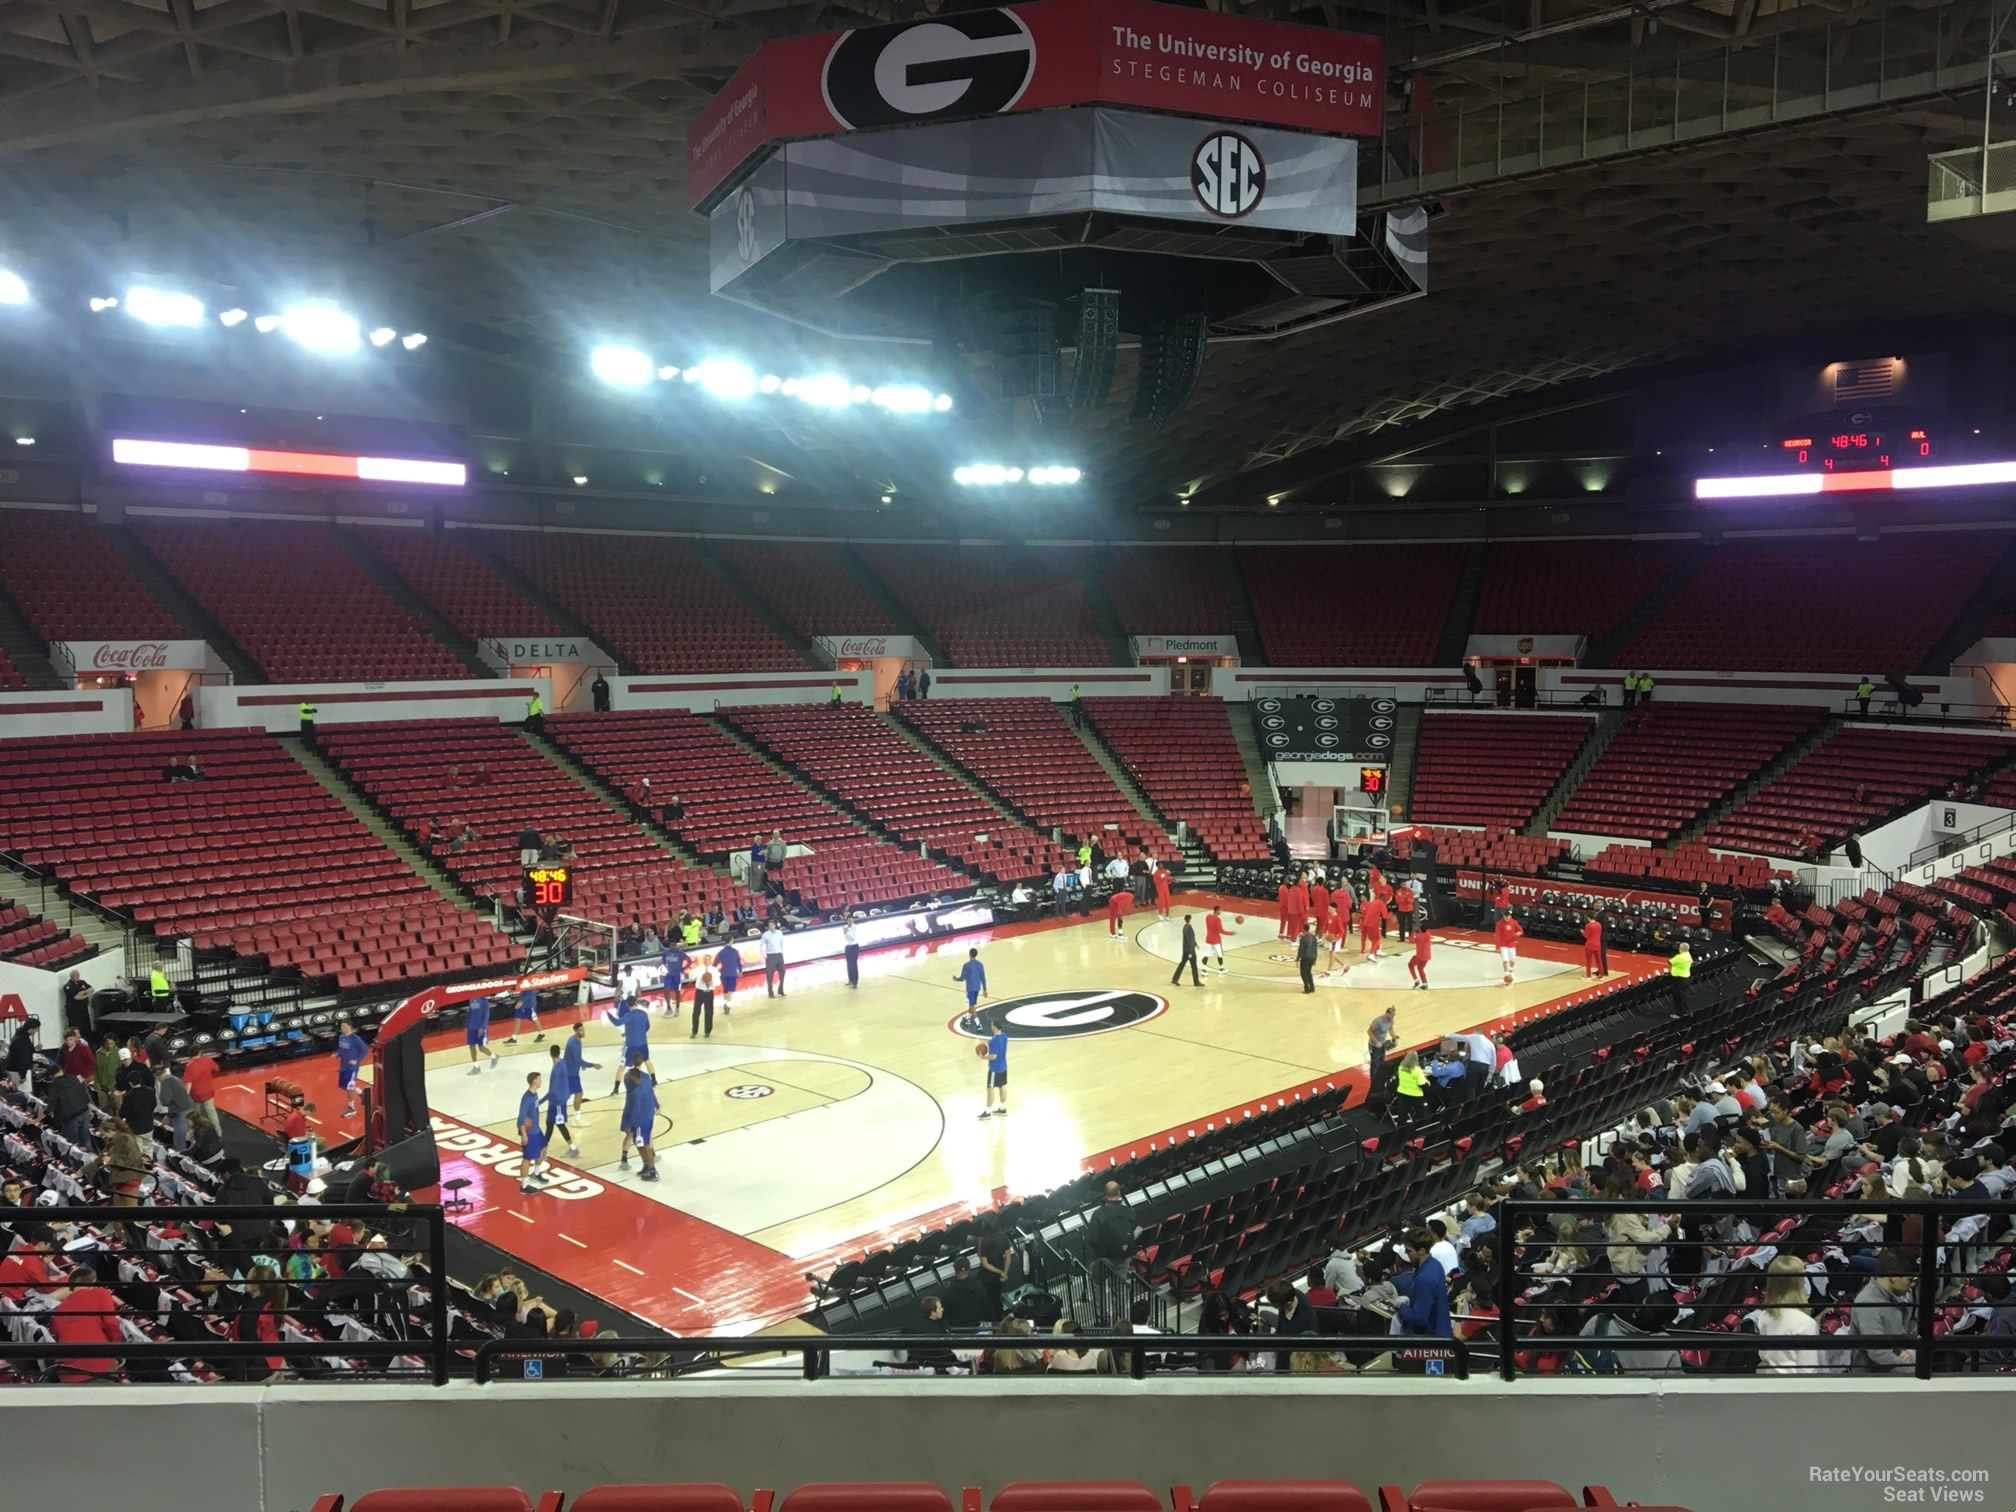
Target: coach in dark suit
(1189, 957)
(1305, 956)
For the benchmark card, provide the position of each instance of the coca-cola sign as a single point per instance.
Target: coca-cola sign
(867, 647)
(139, 656)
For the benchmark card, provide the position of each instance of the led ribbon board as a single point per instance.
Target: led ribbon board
(1782, 485)
(245, 459)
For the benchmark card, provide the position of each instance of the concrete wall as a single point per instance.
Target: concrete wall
(38, 988)
(95, 711)
(1711, 1446)
(1821, 689)
(1054, 683)
(704, 692)
(273, 706)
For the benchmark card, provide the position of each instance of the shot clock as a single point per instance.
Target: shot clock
(1372, 779)
(549, 886)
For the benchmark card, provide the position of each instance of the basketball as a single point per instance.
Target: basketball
(1238, 918)
(981, 1051)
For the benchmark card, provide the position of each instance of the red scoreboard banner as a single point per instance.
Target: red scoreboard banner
(1039, 56)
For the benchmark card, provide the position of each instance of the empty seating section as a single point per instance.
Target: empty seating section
(1568, 587)
(457, 583)
(297, 602)
(862, 760)
(809, 585)
(1495, 850)
(1491, 769)
(652, 600)
(1671, 761)
(10, 676)
(1022, 749)
(1687, 866)
(1181, 754)
(996, 606)
(1168, 590)
(1814, 606)
(730, 797)
(1857, 776)
(257, 857)
(1359, 606)
(70, 585)
(443, 774)
(28, 939)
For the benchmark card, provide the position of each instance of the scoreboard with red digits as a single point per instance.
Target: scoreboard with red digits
(549, 886)
(1857, 447)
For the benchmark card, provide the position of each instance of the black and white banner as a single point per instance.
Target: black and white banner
(1023, 166)
(1327, 729)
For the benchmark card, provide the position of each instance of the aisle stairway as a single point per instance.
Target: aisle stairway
(170, 594)
(418, 609)
(395, 838)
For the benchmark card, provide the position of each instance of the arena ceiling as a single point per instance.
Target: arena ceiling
(510, 175)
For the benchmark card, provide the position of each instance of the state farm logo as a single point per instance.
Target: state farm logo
(866, 645)
(1228, 175)
(975, 64)
(142, 656)
(1062, 1015)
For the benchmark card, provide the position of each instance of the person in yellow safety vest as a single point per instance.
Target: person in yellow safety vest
(1077, 706)
(1682, 964)
(1630, 689)
(535, 714)
(690, 930)
(1864, 691)
(838, 697)
(1644, 687)
(159, 988)
(307, 712)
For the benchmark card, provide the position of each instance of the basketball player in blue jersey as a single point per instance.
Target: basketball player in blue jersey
(636, 1026)
(476, 1028)
(577, 1060)
(974, 978)
(527, 1008)
(673, 962)
(531, 1143)
(728, 961)
(640, 1115)
(350, 1053)
(559, 1088)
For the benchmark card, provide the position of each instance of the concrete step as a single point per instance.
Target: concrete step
(416, 607)
(1594, 744)
(1259, 776)
(754, 603)
(1121, 780)
(354, 800)
(844, 555)
(1105, 619)
(478, 541)
(1239, 606)
(1406, 747)
(1798, 751)
(195, 621)
(105, 930)
(658, 834)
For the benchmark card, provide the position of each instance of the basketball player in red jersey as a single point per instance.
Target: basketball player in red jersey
(1116, 910)
(1339, 927)
(1319, 901)
(1298, 902)
(1507, 933)
(1595, 959)
(1283, 894)
(1371, 927)
(1417, 964)
(1161, 889)
(1214, 938)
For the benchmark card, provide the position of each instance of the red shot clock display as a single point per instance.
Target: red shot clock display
(549, 886)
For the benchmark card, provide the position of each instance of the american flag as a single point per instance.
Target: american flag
(1857, 382)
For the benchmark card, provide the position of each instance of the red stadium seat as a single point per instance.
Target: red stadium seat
(997, 606)
(443, 1499)
(861, 1496)
(698, 1496)
(1076, 1496)
(1279, 1496)
(1483, 1496)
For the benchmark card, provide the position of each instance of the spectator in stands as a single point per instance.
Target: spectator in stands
(1785, 1314)
(1294, 1318)
(598, 693)
(630, 938)
(530, 844)
(70, 1109)
(759, 861)
(1884, 1308)
(171, 1093)
(1410, 1087)
(123, 1163)
(923, 682)
(1110, 1228)
(1478, 1220)
(774, 854)
(185, 712)
(938, 1357)
(88, 1314)
(139, 1101)
(105, 1073)
(966, 1303)
(1013, 1360)
(76, 1058)
(259, 1320)
(76, 995)
(1425, 1288)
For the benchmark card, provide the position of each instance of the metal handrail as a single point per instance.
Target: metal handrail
(1961, 839)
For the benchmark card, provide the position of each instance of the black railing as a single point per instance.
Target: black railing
(1711, 1236)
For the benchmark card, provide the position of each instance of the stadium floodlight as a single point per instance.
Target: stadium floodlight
(163, 307)
(383, 336)
(231, 318)
(724, 378)
(320, 327)
(266, 325)
(580, 480)
(771, 383)
(903, 398)
(623, 366)
(413, 340)
(1014, 475)
(859, 393)
(13, 288)
(942, 403)
(101, 303)
(667, 374)
(24, 440)
(826, 391)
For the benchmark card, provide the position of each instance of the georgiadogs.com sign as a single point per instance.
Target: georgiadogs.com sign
(868, 647)
(83, 658)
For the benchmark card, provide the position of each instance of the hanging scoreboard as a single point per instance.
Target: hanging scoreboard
(1327, 729)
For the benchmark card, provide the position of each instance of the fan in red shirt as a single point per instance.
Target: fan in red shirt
(1507, 933)
(1371, 927)
(1594, 957)
(1116, 910)
(1214, 937)
(1417, 964)
(1283, 895)
(78, 1058)
(1501, 896)
(200, 1076)
(20, 1273)
(88, 1314)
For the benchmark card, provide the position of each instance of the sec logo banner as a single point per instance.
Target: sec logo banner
(1228, 175)
(1062, 1015)
(975, 64)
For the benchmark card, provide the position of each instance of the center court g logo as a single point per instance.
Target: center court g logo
(972, 64)
(1062, 1015)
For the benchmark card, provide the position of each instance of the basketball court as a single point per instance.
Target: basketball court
(833, 1119)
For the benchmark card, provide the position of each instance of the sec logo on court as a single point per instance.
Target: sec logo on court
(1063, 1015)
